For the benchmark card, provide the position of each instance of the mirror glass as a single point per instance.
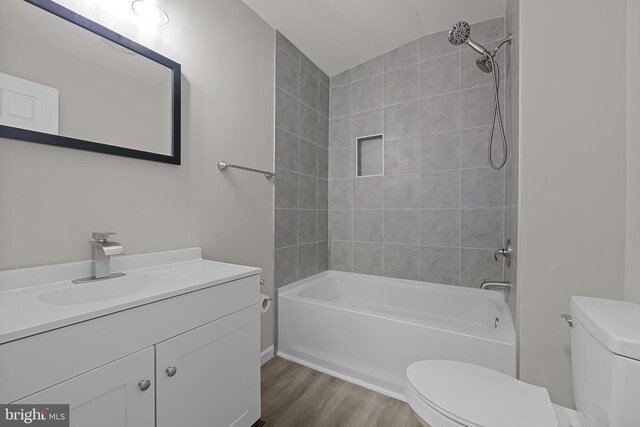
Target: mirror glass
(65, 80)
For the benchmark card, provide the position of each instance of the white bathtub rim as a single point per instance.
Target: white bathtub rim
(494, 296)
(302, 282)
(300, 285)
(340, 376)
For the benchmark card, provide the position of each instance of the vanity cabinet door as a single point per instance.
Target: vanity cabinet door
(108, 396)
(210, 376)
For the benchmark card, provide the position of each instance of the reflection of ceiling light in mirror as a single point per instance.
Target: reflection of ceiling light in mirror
(118, 47)
(152, 11)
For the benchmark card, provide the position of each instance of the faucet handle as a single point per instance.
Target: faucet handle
(102, 236)
(506, 253)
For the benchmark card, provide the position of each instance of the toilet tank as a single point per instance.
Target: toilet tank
(605, 362)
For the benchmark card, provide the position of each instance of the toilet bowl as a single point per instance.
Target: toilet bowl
(605, 361)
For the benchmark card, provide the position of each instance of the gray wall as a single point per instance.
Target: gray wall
(437, 213)
(632, 267)
(572, 178)
(51, 198)
(302, 126)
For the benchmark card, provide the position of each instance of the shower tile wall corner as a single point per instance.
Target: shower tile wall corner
(438, 212)
(302, 165)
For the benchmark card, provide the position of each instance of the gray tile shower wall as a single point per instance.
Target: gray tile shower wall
(438, 211)
(302, 165)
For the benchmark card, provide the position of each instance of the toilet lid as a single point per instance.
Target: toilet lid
(475, 396)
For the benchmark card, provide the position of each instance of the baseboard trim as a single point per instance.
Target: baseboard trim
(266, 355)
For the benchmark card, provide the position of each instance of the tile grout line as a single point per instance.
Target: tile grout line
(300, 62)
(504, 201)
(478, 208)
(494, 208)
(491, 250)
(409, 101)
(355, 168)
(317, 270)
(460, 177)
(415, 136)
(435, 171)
(418, 98)
(419, 61)
(298, 176)
(420, 272)
(317, 110)
(384, 114)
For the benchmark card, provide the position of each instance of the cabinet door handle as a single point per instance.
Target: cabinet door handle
(144, 385)
(171, 371)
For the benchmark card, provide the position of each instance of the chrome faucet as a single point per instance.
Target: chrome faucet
(497, 286)
(101, 252)
(102, 249)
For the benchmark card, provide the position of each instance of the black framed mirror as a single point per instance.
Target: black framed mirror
(70, 82)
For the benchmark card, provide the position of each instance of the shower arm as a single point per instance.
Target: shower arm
(508, 39)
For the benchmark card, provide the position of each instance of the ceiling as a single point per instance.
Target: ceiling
(339, 34)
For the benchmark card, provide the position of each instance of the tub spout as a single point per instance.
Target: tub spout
(497, 286)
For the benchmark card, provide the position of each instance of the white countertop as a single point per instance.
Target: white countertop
(24, 312)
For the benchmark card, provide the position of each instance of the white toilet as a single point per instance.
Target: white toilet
(605, 360)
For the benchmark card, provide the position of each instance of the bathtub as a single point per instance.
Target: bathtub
(368, 329)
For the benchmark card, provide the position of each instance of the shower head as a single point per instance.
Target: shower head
(485, 64)
(460, 33)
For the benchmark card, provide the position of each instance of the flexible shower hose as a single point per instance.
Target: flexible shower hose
(497, 113)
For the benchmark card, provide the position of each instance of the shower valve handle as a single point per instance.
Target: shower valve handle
(500, 252)
(505, 252)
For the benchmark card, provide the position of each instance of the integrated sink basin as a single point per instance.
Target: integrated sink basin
(107, 289)
(39, 299)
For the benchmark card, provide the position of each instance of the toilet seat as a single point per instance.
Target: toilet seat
(462, 394)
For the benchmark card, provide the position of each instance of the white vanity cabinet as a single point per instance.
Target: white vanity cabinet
(207, 377)
(198, 350)
(108, 396)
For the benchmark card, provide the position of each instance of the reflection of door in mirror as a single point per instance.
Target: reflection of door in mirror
(107, 93)
(28, 105)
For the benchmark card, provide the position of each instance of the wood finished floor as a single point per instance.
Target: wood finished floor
(296, 396)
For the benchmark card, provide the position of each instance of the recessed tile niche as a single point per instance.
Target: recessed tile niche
(370, 155)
